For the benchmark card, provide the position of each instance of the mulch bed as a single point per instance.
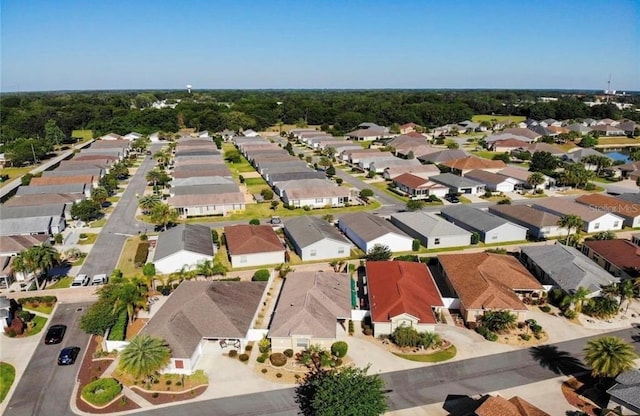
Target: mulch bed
(91, 369)
(169, 397)
(581, 393)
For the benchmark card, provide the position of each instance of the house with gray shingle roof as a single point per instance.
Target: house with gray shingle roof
(47, 225)
(565, 268)
(626, 391)
(309, 309)
(490, 227)
(366, 230)
(493, 181)
(459, 184)
(443, 156)
(541, 224)
(595, 219)
(184, 245)
(432, 231)
(276, 178)
(202, 318)
(313, 238)
(72, 188)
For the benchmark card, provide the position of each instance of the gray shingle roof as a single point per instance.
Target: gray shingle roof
(30, 225)
(568, 268)
(275, 178)
(307, 230)
(205, 309)
(72, 188)
(443, 156)
(310, 304)
(205, 189)
(526, 215)
(627, 390)
(428, 224)
(630, 197)
(476, 218)
(368, 226)
(91, 171)
(48, 210)
(455, 181)
(201, 180)
(189, 237)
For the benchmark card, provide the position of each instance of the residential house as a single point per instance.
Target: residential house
(74, 188)
(402, 294)
(541, 224)
(551, 122)
(111, 136)
(43, 199)
(367, 135)
(313, 238)
(506, 145)
(629, 211)
(92, 171)
(89, 181)
(7, 277)
(185, 245)
(607, 130)
(250, 133)
(47, 225)
(201, 181)
(459, 184)
(626, 391)
(416, 187)
(203, 318)
(522, 176)
(491, 228)
(580, 128)
(253, 245)
(629, 127)
(629, 170)
(499, 406)
(378, 165)
(423, 171)
(442, 156)
(526, 132)
(367, 230)
(565, 268)
(197, 205)
(317, 197)
(493, 181)
(10, 245)
(632, 197)
(409, 127)
(310, 309)
(576, 155)
(57, 213)
(621, 258)
(302, 184)
(277, 178)
(432, 231)
(470, 163)
(498, 137)
(184, 172)
(488, 282)
(595, 220)
(543, 147)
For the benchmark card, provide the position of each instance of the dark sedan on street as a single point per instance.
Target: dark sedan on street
(68, 355)
(55, 334)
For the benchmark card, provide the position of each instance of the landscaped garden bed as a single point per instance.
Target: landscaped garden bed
(581, 392)
(42, 304)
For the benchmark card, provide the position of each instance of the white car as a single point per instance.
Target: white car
(80, 280)
(99, 279)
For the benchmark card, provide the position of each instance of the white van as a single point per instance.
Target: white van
(99, 279)
(80, 280)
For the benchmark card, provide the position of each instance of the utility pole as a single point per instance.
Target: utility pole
(34, 154)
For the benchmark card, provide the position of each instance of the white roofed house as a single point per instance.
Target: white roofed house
(195, 205)
(315, 239)
(367, 230)
(184, 245)
(522, 176)
(318, 197)
(380, 165)
(423, 171)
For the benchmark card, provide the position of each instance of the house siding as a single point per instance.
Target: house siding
(257, 259)
(387, 328)
(319, 202)
(279, 344)
(505, 233)
(324, 249)
(207, 210)
(429, 241)
(174, 262)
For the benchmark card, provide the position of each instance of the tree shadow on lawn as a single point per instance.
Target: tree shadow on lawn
(560, 362)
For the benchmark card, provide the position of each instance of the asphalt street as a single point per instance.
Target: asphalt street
(121, 224)
(45, 387)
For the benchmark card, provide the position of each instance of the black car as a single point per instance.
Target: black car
(452, 198)
(68, 355)
(55, 334)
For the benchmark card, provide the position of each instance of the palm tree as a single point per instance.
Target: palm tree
(163, 214)
(36, 259)
(206, 268)
(183, 274)
(569, 222)
(535, 179)
(129, 296)
(284, 269)
(499, 321)
(626, 291)
(162, 157)
(609, 356)
(99, 195)
(144, 356)
(148, 202)
(579, 297)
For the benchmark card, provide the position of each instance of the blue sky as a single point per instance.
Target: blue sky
(144, 44)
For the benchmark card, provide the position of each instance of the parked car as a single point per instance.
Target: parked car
(80, 280)
(68, 355)
(55, 334)
(99, 279)
(453, 198)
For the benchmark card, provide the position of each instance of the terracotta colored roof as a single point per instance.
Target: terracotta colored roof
(610, 204)
(525, 214)
(487, 280)
(474, 162)
(250, 239)
(558, 129)
(515, 406)
(621, 253)
(515, 143)
(416, 182)
(61, 180)
(418, 170)
(397, 287)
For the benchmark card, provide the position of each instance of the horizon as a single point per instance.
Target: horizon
(304, 45)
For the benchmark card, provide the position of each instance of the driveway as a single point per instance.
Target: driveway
(45, 388)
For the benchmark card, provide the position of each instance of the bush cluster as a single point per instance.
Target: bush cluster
(243, 357)
(119, 329)
(339, 349)
(487, 334)
(288, 352)
(36, 300)
(101, 391)
(278, 359)
(142, 252)
(545, 308)
(233, 353)
(261, 275)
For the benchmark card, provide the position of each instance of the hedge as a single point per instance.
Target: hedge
(261, 275)
(339, 349)
(119, 329)
(101, 391)
(38, 299)
(142, 252)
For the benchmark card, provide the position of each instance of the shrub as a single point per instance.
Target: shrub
(119, 329)
(178, 383)
(264, 345)
(267, 194)
(487, 334)
(233, 353)
(261, 359)
(339, 349)
(545, 308)
(248, 348)
(264, 371)
(415, 245)
(101, 391)
(407, 257)
(261, 275)
(142, 252)
(168, 382)
(569, 314)
(536, 329)
(405, 336)
(525, 337)
(26, 316)
(368, 331)
(278, 359)
(279, 375)
(155, 394)
(254, 221)
(288, 353)
(243, 357)
(351, 327)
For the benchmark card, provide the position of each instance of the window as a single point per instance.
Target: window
(243, 259)
(596, 226)
(312, 253)
(302, 342)
(436, 241)
(179, 363)
(319, 200)
(494, 237)
(341, 250)
(616, 224)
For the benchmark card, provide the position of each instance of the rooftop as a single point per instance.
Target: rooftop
(250, 239)
(189, 237)
(368, 226)
(307, 230)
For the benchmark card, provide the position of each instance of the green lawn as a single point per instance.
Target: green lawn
(478, 118)
(62, 283)
(436, 357)
(254, 181)
(616, 140)
(237, 168)
(7, 376)
(91, 239)
(98, 223)
(384, 187)
(125, 263)
(464, 200)
(39, 323)
(82, 134)
(80, 261)
(14, 173)
(484, 154)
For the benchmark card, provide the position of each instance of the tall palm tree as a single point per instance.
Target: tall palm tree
(144, 356)
(206, 268)
(99, 195)
(129, 296)
(154, 176)
(284, 269)
(570, 221)
(535, 179)
(163, 214)
(148, 202)
(162, 157)
(39, 259)
(499, 321)
(609, 356)
(580, 297)
(626, 291)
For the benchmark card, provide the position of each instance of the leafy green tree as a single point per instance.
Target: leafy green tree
(599, 161)
(162, 157)
(331, 171)
(577, 299)
(325, 162)
(609, 356)
(379, 252)
(267, 194)
(570, 222)
(588, 141)
(163, 215)
(99, 195)
(144, 356)
(233, 156)
(149, 269)
(53, 134)
(284, 269)
(86, 210)
(109, 182)
(99, 317)
(366, 193)
(502, 156)
(535, 179)
(254, 221)
(543, 162)
(274, 205)
(345, 391)
(452, 144)
(148, 202)
(415, 205)
(36, 260)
